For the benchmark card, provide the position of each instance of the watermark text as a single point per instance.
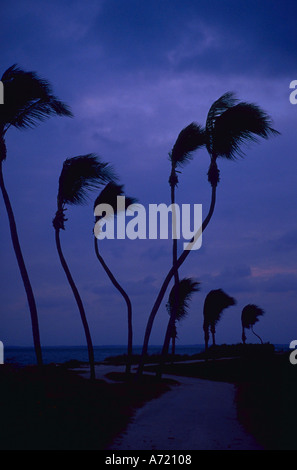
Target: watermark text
(293, 354)
(293, 94)
(160, 221)
(1, 353)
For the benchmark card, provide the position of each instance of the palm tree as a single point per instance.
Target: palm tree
(187, 287)
(28, 100)
(109, 196)
(215, 302)
(228, 125)
(190, 138)
(79, 174)
(249, 316)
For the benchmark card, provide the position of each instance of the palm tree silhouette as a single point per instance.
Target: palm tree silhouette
(109, 196)
(187, 287)
(228, 125)
(79, 174)
(249, 317)
(28, 100)
(190, 138)
(215, 302)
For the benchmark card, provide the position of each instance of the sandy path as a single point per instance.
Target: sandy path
(196, 415)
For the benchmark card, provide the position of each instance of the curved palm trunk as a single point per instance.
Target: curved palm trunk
(23, 270)
(168, 278)
(257, 335)
(79, 304)
(127, 300)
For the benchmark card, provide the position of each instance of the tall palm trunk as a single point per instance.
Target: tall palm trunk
(23, 270)
(172, 319)
(79, 304)
(127, 300)
(168, 278)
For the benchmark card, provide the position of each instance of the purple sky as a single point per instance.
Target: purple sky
(134, 74)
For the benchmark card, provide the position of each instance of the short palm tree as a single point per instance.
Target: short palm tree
(28, 99)
(109, 196)
(79, 175)
(187, 287)
(229, 124)
(215, 303)
(249, 316)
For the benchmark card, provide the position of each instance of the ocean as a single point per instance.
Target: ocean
(59, 354)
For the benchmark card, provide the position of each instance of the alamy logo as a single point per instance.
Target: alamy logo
(155, 224)
(293, 354)
(1, 93)
(1, 353)
(293, 94)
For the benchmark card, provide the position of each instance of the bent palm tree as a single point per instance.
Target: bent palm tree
(109, 196)
(228, 125)
(249, 317)
(215, 302)
(187, 287)
(79, 174)
(28, 100)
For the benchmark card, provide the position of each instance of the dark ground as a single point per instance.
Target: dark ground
(57, 410)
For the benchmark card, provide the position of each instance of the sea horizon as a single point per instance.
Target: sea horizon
(25, 355)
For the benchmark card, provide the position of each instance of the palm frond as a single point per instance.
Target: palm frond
(81, 174)
(28, 99)
(189, 139)
(187, 287)
(226, 101)
(240, 124)
(250, 315)
(109, 195)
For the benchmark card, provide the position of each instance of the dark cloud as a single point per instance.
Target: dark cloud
(230, 37)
